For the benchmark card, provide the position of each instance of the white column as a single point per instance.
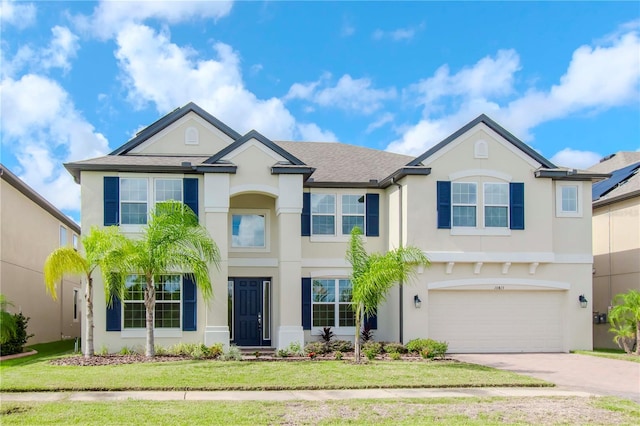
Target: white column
(216, 210)
(288, 210)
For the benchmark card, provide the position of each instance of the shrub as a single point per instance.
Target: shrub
(15, 343)
(434, 348)
(283, 353)
(215, 350)
(327, 334)
(371, 349)
(316, 347)
(393, 347)
(341, 345)
(366, 334)
(395, 356)
(338, 355)
(425, 354)
(126, 351)
(160, 350)
(232, 354)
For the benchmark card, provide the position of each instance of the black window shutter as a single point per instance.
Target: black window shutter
(444, 204)
(371, 321)
(306, 303)
(373, 215)
(306, 214)
(516, 205)
(190, 193)
(114, 315)
(111, 200)
(189, 303)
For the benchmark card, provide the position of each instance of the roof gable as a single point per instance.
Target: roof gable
(260, 138)
(526, 149)
(168, 120)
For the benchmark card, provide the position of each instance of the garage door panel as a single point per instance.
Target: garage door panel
(497, 321)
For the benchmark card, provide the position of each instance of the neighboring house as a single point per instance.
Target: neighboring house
(616, 237)
(30, 229)
(508, 233)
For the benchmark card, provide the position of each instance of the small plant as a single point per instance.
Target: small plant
(366, 334)
(103, 351)
(371, 349)
(425, 354)
(257, 354)
(317, 347)
(295, 349)
(338, 355)
(327, 334)
(160, 350)
(16, 341)
(312, 355)
(215, 350)
(395, 356)
(233, 354)
(283, 353)
(392, 347)
(341, 345)
(126, 351)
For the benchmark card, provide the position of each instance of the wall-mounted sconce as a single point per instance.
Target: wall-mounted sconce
(417, 302)
(583, 301)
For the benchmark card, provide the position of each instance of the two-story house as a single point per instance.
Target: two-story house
(508, 234)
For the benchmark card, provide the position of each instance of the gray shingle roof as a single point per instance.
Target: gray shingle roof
(629, 187)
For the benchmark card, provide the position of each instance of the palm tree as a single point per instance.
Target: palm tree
(104, 249)
(7, 321)
(173, 241)
(625, 320)
(373, 275)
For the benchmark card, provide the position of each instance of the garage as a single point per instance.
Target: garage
(497, 321)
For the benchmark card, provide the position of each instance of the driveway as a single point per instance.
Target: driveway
(600, 376)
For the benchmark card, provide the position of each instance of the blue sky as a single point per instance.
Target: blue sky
(78, 79)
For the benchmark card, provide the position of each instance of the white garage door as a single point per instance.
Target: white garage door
(497, 321)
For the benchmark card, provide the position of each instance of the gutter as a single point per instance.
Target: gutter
(400, 243)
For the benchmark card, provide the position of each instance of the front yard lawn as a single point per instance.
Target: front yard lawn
(611, 353)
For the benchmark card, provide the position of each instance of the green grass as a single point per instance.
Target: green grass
(611, 353)
(45, 351)
(442, 411)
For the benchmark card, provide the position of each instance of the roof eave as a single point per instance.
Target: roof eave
(616, 199)
(75, 169)
(402, 172)
(574, 175)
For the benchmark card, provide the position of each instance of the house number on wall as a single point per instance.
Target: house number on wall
(499, 287)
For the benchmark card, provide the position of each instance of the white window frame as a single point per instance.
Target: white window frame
(343, 214)
(336, 328)
(453, 205)
(485, 204)
(155, 189)
(334, 214)
(146, 201)
(267, 233)
(63, 236)
(158, 331)
(560, 212)
(75, 241)
(338, 216)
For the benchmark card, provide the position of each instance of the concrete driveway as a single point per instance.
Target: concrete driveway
(600, 376)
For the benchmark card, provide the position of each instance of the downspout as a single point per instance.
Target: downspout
(400, 242)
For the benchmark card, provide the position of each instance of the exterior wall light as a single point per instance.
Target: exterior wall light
(417, 302)
(583, 301)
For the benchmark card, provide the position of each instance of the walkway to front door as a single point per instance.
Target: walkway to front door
(251, 311)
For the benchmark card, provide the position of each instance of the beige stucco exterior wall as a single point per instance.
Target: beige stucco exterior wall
(616, 268)
(28, 235)
(172, 139)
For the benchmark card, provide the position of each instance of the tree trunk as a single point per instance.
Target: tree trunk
(88, 296)
(149, 304)
(638, 338)
(356, 344)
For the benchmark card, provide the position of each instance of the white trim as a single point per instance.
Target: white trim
(251, 187)
(194, 130)
(253, 142)
(559, 211)
(480, 172)
(291, 210)
(253, 262)
(508, 283)
(267, 234)
(488, 257)
(505, 268)
(325, 263)
(216, 209)
(477, 267)
(337, 273)
(574, 258)
(469, 230)
(157, 332)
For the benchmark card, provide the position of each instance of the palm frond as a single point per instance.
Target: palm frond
(61, 262)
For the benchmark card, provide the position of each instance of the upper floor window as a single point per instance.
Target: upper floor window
(248, 231)
(63, 236)
(331, 303)
(133, 201)
(496, 205)
(464, 202)
(323, 214)
(352, 213)
(568, 199)
(75, 241)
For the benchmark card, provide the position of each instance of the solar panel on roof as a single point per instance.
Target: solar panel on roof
(601, 188)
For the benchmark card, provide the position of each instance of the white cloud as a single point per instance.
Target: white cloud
(159, 71)
(311, 132)
(347, 29)
(21, 15)
(398, 34)
(385, 118)
(575, 159)
(110, 17)
(597, 78)
(348, 94)
(44, 134)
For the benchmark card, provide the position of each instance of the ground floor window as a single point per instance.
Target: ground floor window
(331, 299)
(168, 302)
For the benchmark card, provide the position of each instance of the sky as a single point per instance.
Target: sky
(79, 79)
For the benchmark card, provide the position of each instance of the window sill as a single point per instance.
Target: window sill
(131, 229)
(499, 232)
(337, 331)
(332, 238)
(568, 214)
(158, 332)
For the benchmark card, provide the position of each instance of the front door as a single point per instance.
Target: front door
(248, 315)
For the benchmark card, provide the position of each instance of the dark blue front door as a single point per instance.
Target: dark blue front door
(247, 295)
